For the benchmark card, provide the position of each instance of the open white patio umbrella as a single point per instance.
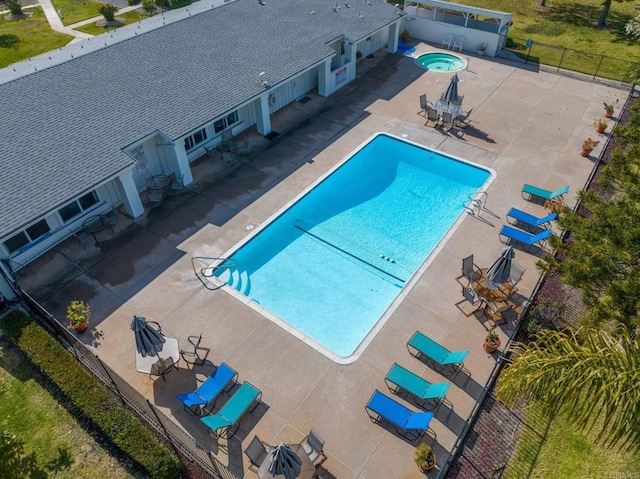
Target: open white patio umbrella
(451, 93)
(149, 341)
(500, 270)
(285, 462)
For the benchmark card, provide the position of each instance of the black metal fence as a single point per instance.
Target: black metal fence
(181, 441)
(576, 63)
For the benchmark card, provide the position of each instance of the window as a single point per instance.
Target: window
(226, 122)
(195, 139)
(29, 235)
(74, 208)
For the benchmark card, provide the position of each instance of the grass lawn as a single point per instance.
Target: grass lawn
(566, 453)
(39, 437)
(74, 11)
(569, 23)
(26, 38)
(129, 18)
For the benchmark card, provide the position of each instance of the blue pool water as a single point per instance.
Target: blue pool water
(332, 263)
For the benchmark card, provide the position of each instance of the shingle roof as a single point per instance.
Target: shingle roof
(64, 127)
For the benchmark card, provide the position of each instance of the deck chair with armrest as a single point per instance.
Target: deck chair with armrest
(515, 275)
(191, 348)
(470, 297)
(458, 43)
(462, 121)
(197, 401)
(432, 115)
(424, 104)
(534, 191)
(530, 221)
(257, 453)
(236, 406)
(448, 120)
(447, 41)
(470, 271)
(409, 423)
(313, 445)
(529, 241)
(420, 346)
(399, 378)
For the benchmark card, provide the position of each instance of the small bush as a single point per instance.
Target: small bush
(133, 2)
(108, 11)
(14, 7)
(547, 314)
(149, 6)
(179, 3)
(91, 397)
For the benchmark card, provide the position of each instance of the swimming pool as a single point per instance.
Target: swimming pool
(441, 62)
(329, 266)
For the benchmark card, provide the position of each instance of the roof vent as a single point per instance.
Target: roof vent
(262, 2)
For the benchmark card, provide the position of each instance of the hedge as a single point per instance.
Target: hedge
(90, 396)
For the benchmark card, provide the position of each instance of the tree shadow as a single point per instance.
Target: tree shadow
(9, 40)
(15, 463)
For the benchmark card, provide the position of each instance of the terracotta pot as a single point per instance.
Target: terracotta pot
(608, 113)
(585, 153)
(424, 468)
(490, 348)
(82, 328)
(601, 129)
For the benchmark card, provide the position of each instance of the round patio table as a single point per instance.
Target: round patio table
(307, 467)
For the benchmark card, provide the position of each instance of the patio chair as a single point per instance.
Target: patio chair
(381, 407)
(458, 101)
(470, 297)
(112, 218)
(432, 115)
(462, 121)
(191, 348)
(534, 191)
(155, 326)
(257, 453)
(528, 240)
(518, 216)
(424, 104)
(313, 445)
(448, 40)
(227, 134)
(421, 389)
(177, 186)
(447, 120)
(421, 346)
(162, 367)
(459, 43)
(515, 275)
(211, 151)
(233, 410)
(494, 310)
(243, 150)
(216, 383)
(469, 270)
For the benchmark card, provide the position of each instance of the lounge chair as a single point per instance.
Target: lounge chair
(216, 383)
(236, 406)
(534, 191)
(508, 234)
(422, 389)
(420, 345)
(448, 40)
(404, 419)
(459, 43)
(519, 216)
(470, 270)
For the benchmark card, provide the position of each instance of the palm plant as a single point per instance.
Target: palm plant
(590, 373)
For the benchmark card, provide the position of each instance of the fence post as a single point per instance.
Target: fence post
(598, 67)
(113, 383)
(561, 58)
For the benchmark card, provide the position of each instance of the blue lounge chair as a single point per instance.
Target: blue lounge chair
(216, 383)
(530, 220)
(404, 419)
(532, 191)
(507, 233)
(420, 345)
(423, 390)
(233, 410)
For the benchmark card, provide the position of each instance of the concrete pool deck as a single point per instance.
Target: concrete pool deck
(526, 125)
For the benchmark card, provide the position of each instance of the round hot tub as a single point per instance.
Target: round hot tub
(441, 62)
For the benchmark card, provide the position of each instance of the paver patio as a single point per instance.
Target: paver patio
(526, 125)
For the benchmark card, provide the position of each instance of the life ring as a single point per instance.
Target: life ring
(272, 99)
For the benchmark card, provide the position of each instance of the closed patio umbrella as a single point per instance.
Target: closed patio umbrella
(500, 269)
(149, 341)
(285, 462)
(451, 93)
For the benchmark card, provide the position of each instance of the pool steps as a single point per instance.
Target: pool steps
(238, 280)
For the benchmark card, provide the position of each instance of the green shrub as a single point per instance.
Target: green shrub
(547, 314)
(14, 7)
(179, 3)
(91, 397)
(149, 6)
(108, 11)
(133, 2)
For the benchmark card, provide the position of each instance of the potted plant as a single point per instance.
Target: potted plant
(491, 342)
(600, 125)
(481, 48)
(78, 314)
(608, 109)
(588, 146)
(424, 457)
(404, 36)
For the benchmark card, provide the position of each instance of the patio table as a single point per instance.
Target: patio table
(95, 224)
(444, 106)
(169, 350)
(307, 468)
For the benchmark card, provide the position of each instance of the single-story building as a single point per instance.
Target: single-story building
(86, 127)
